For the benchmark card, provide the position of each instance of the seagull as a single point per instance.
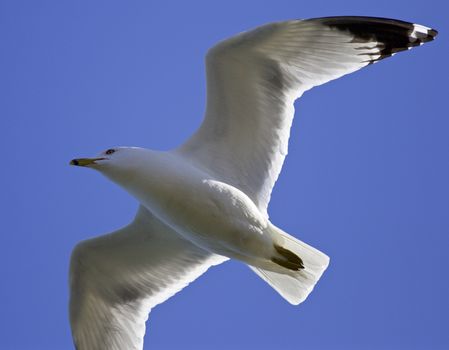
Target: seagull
(206, 201)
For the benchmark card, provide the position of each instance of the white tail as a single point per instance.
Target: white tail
(295, 286)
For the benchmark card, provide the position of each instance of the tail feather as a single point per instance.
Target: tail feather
(294, 284)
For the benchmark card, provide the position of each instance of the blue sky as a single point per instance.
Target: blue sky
(366, 179)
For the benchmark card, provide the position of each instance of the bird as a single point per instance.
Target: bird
(206, 201)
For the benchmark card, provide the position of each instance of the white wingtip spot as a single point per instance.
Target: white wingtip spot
(419, 29)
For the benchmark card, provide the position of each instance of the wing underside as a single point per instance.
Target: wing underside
(254, 78)
(116, 279)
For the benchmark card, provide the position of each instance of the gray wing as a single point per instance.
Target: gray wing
(254, 78)
(116, 279)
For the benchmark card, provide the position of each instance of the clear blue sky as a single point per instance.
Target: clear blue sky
(366, 179)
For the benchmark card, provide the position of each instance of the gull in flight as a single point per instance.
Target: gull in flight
(206, 201)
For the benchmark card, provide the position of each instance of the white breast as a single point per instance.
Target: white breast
(206, 211)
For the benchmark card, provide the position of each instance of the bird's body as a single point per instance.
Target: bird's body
(207, 200)
(204, 210)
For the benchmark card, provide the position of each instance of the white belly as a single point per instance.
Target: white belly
(210, 213)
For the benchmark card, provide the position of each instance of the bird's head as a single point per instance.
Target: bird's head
(114, 163)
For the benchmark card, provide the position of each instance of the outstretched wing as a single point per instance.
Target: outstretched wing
(117, 278)
(254, 78)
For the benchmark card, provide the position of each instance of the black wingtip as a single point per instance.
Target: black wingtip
(432, 34)
(391, 35)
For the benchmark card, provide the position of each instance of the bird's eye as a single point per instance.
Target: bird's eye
(110, 151)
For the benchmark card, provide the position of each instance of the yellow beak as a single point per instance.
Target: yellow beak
(84, 161)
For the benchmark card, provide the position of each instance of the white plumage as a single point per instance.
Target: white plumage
(116, 279)
(207, 201)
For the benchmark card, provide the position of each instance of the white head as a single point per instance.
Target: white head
(118, 163)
